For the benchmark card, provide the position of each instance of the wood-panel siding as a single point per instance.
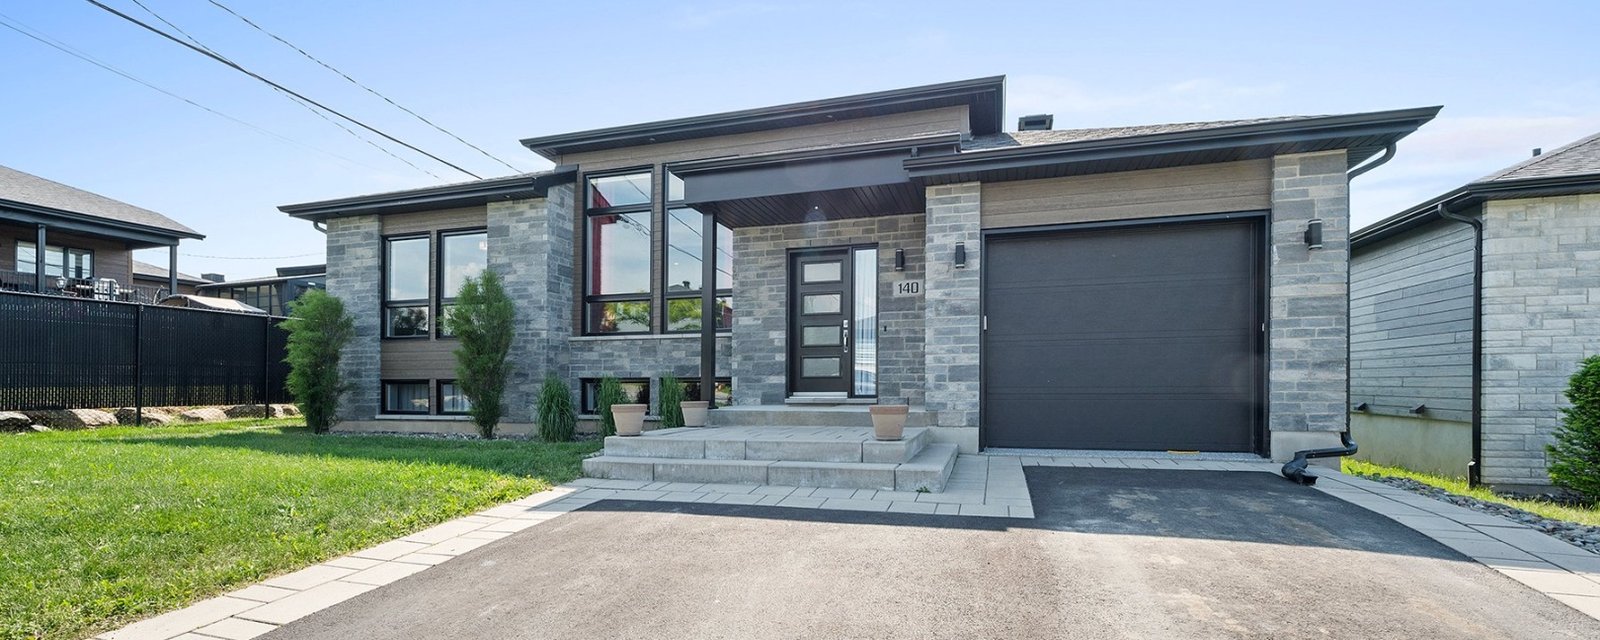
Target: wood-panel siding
(466, 217)
(112, 259)
(1210, 188)
(1411, 323)
(898, 125)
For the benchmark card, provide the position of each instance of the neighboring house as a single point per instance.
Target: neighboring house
(1417, 400)
(271, 293)
(1146, 288)
(152, 281)
(86, 237)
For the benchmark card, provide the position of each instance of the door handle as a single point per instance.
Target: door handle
(845, 343)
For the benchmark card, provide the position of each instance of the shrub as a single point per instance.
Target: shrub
(557, 419)
(1575, 457)
(482, 322)
(609, 393)
(671, 394)
(318, 329)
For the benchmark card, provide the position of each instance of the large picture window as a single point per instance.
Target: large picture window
(58, 261)
(617, 233)
(406, 286)
(684, 261)
(462, 255)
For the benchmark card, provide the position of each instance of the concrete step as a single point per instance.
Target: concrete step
(803, 416)
(928, 470)
(801, 444)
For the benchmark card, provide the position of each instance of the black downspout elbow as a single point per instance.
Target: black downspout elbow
(1474, 473)
(1296, 469)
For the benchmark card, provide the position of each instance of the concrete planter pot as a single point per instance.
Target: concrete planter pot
(694, 412)
(629, 418)
(888, 420)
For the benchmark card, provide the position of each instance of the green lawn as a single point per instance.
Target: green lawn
(1585, 515)
(100, 528)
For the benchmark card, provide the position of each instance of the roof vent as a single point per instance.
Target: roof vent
(1537, 151)
(1041, 122)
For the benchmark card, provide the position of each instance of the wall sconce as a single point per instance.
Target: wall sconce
(1418, 410)
(1362, 407)
(899, 259)
(1314, 233)
(961, 255)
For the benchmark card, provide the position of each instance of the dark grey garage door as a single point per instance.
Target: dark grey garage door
(1137, 338)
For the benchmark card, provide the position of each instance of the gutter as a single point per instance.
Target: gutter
(1474, 472)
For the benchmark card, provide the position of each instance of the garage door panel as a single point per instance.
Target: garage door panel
(1129, 338)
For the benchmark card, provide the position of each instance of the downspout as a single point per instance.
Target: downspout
(1297, 469)
(1474, 473)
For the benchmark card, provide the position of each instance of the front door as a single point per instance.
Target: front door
(820, 309)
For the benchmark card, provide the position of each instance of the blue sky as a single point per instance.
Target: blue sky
(1511, 76)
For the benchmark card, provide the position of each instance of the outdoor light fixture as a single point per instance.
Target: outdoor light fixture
(961, 255)
(1314, 233)
(899, 259)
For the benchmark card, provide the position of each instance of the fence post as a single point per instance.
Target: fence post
(266, 363)
(138, 365)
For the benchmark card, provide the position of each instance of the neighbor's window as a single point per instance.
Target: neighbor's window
(724, 391)
(634, 391)
(406, 397)
(451, 398)
(617, 234)
(58, 261)
(685, 246)
(406, 285)
(462, 255)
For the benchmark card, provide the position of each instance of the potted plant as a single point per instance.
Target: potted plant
(671, 402)
(695, 412)
(889, 420)
(629, 418)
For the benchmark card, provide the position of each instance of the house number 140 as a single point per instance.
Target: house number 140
(908, 288)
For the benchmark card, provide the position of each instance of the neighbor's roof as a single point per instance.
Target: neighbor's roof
(445, 196)
(26, 190)
(147, 270)
(1572, 169)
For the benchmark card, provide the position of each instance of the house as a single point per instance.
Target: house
(272, 293)
(1468, 314)
(1135, 288)
(86, 237)
(151, 281)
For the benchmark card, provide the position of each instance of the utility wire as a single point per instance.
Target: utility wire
(353, 81)
(298, 255)
(230, 64)
(8, 22)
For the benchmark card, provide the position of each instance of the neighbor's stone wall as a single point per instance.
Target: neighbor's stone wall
(760, 304)
(953, 320)
(1308, 326)
(354, 276)
(1541, 316)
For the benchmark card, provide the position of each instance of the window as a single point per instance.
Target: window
(685, 246)
(636, 391)
(462, 255)
(451, 398)
(724, 391)
(617, 254)
(406, 397)
(58, 261)
(406, 285)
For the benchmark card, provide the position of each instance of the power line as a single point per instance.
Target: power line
(298, 255)
(353, 81)
(230, 64)
(8, 22)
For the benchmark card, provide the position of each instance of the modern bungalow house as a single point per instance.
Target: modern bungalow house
(1165, 287)
(271, 293)
(86, 238)
(1468, 314)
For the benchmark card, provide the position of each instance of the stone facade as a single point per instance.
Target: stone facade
(1541, 315)
(355, 271)
(643, 357)
(954, 323)
(523, 238)
(760, 302)
(1308, 303)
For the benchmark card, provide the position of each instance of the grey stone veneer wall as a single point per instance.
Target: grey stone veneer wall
(953, 324)
(528, 241)
(1541, 315)
(760, 289)
(644, 357)
(1308, 303)
(354, 272)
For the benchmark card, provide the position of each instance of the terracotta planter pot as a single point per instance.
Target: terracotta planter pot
(694, 412)
(629, 418)
(889, 421)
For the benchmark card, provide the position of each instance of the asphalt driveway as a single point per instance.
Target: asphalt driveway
(1114, 553)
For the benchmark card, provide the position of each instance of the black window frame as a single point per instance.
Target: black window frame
(438, 407)
(667, 294)
(385, 304)
(383, 397)
(657, 187)
(685, 382)
(67, 251)
(587, 395)
(439, 300)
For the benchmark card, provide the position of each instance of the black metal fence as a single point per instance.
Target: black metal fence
(77, 353)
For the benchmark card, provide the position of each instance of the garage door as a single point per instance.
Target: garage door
(1134, 338)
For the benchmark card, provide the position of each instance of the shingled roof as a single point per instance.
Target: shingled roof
(1029, 138)
(1576, 159)
(31, 191)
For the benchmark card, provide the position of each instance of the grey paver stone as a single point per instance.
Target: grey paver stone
(235, 629)
(306, 602)
(804, 502)
(183, 620)
(847, 504)
(352, 562)
(912, 506)
(261, 593)
(390, 550)
(738, 498)
(309, 577)
(384, 573)
(992, 510)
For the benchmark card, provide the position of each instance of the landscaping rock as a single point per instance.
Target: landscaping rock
(13, 421)
(203, 414)
(152, 417)
(285, 411)
(256, 411)
(37, 428)
(73, 419)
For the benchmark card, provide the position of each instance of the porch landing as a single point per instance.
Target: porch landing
(840, 457)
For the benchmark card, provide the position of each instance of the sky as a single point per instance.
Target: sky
(1511, 77)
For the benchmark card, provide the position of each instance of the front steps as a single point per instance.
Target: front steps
(845, 457)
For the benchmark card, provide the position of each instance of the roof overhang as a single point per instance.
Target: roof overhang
(833, 183)
(1466, 198)
(1363, 135)
(138, 235)
(984, 98)
(433, 198)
